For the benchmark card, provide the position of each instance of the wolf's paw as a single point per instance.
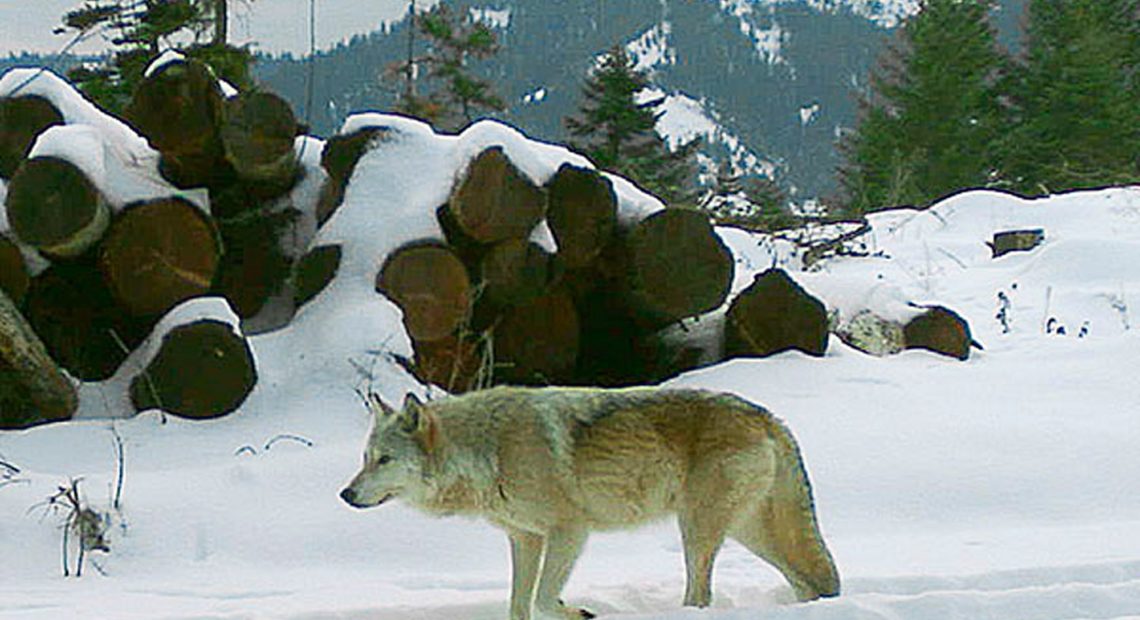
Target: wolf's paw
(573, 613)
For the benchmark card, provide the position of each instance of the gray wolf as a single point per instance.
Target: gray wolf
(549, 465)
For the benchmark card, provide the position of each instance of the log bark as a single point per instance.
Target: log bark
(84, 330)
(258, 132)
(14, 278)
(678, 267)
(772, 315)
(313, 273)
(158, 254)
(21, 120)
(339, 159)
(582, 214)
(202, 370)
(537, 343)
(32, 388)
(432, 287)
(179, 109)
(494, 201)
(53, 207)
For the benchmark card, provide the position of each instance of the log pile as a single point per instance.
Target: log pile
(114, 270)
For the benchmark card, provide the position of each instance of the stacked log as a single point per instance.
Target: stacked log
(339, 158)
(314, 271)
(22, 118)
(202, 370)
(493, 301)
(14, 279)
(32, 390)
(53, 207)
(772, 315)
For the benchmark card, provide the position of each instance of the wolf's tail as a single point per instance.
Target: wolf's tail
(783, 529)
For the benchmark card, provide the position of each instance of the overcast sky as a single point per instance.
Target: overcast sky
(275, 25)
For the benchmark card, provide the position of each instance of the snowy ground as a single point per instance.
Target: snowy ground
(1002, 487)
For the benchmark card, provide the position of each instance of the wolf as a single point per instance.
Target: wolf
(550, 465)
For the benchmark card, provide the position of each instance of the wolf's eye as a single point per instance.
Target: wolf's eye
(384, 460)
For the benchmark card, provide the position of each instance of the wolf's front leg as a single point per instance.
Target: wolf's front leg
(526, 560)
(563, 546)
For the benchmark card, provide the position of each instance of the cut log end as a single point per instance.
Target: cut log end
(582, 214)
(514, 272)
(454, 363)
(314, 272)
(537, 343)
(431, 285)
(775, 314)
(941, 331)
(158, 254)
(21, 120)
(258, 132)
(53, 207)
(202, 370)
(495, 201)
(678, 266)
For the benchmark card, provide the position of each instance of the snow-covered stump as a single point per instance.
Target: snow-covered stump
(178, 108)
(32, 388)
(14, 277)
(772, 315)
(54, 207)
(22, 118)
(199, 367)
(159, 253)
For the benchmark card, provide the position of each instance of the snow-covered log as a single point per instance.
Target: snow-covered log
(582, 214)
(495, 201)
(775, 314)
(54, 207)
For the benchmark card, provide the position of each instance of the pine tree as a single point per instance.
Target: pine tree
(615, 128)
(454, 38)
(929, 125)
(142, 29)
(1078, 97)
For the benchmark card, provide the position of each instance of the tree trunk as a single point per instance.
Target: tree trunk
(32, 389)
(53, 207)
(202, 370)
(537, 343)
(21, 120)
(158, 254)
(495, 201)
(431, 285)
(14, 278)
(678, 267)
(582, 214)
(258, 132)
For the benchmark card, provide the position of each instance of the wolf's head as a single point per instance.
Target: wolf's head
(396, 456)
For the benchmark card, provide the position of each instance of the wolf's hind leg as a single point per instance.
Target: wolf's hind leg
(702, 535)
(782, 530)
(526, 560)
(563, 546)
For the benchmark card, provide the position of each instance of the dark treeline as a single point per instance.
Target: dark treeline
(948, 108)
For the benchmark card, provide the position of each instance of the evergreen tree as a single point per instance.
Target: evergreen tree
(140, 30)
(616, 129)
(1077, 97)
(930, 123)
(454, 38)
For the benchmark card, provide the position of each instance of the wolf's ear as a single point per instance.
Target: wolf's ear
(412, 415)
(378, 407)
